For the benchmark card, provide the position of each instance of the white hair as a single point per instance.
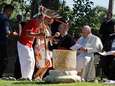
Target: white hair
(87, 27)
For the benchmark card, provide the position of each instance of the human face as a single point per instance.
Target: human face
(109, 16)
(85, 31)
(9, 12)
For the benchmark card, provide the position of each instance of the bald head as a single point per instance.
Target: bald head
(86, 30)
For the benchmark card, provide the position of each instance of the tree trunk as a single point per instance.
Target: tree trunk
(110, 7)
(35, 7)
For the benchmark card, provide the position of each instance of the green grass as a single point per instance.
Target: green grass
(35, 83)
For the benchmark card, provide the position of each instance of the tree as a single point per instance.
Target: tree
(35, 7)
(65, 11)
(84, 13)
(51, 4)
(21, 6)
(81, 14)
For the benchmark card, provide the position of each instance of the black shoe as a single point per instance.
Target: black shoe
(11, 78)
(4, 78)
(8, 78)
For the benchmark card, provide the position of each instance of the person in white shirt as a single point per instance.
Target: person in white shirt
(86, 46)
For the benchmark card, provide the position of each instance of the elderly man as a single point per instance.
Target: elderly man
(86, 46)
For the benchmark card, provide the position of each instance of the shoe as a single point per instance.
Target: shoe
(11, 78)
(8, 78)
(110, 82)
(4, 78)
(82, 80)
(24, 79)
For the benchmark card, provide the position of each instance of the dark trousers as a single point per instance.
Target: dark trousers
(17, 70)
(107, 44)
(112, 70)
(3, 58)
(106, 63)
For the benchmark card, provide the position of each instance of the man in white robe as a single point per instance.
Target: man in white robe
(86, 46)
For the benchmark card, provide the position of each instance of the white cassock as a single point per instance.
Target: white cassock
(85, 60)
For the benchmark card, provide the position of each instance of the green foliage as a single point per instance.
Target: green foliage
(21, 6)
(66, 12)
(83, 13)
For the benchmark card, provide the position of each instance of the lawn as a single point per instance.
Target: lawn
(35, 83)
